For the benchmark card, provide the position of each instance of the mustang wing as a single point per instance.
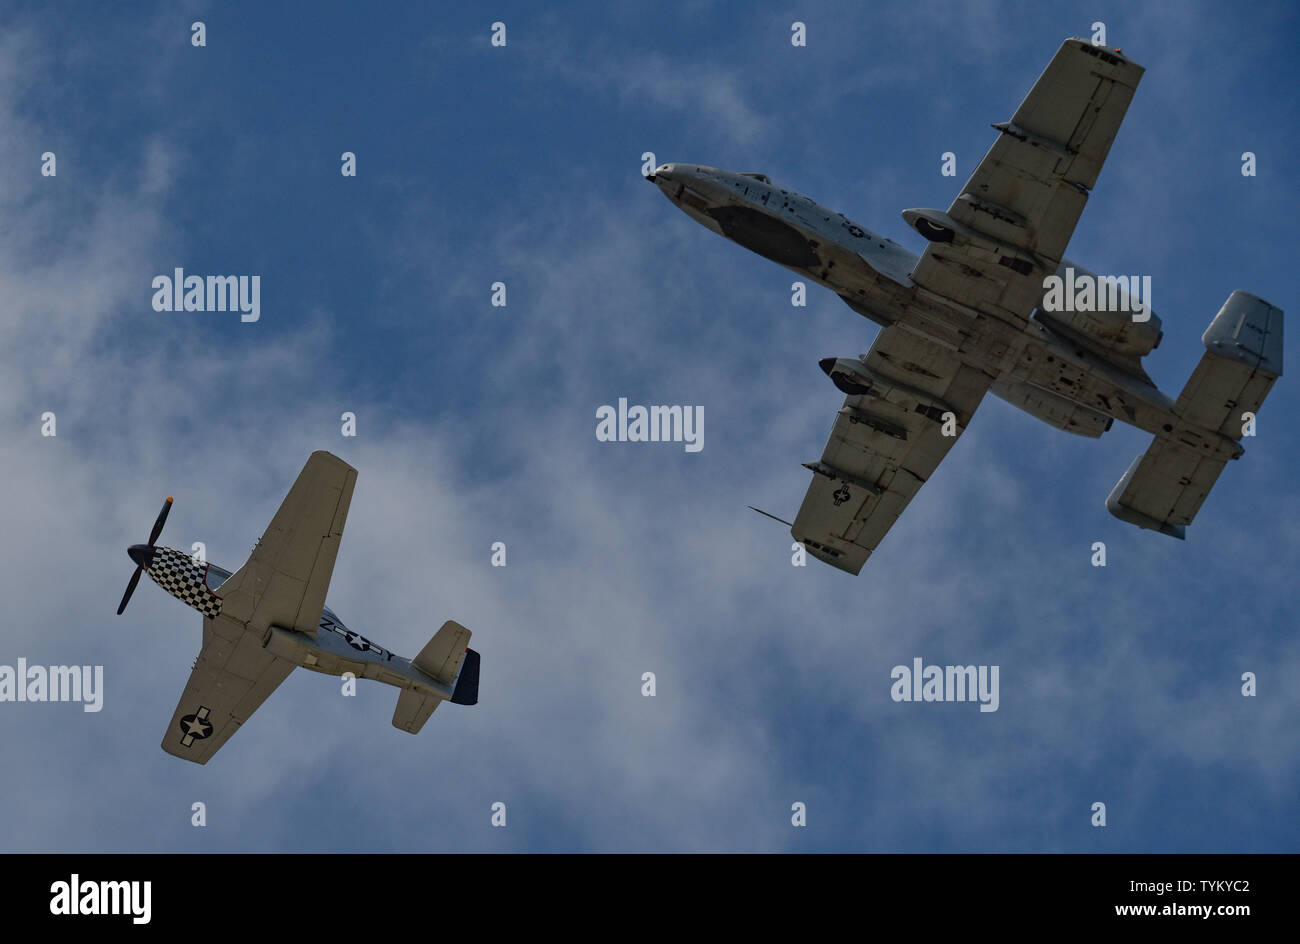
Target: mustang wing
(884, 445)
(284, 582)
(232, 676)
(1023, 201)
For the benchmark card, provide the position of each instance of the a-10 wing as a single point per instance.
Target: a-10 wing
(885, 444)
(1008, 229)
(1025, 197)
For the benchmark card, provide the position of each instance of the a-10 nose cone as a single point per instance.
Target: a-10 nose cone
(142, 554)
(663, 172)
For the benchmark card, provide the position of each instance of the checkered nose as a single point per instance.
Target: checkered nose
(182, 576)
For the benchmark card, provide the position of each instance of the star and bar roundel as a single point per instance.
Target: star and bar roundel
(196, 727)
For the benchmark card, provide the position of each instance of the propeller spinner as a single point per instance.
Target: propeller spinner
(142, 554)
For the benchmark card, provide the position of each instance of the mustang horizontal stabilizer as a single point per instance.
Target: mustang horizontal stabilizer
(441, 655)
(413, 709)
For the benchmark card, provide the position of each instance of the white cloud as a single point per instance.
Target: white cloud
(773, 681)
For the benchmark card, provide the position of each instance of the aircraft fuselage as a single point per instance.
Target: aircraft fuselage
(334, 649)
(1063, 377)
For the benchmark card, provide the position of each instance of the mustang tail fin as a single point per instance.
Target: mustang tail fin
(466, 692)
(1165, 486)
(447, 658)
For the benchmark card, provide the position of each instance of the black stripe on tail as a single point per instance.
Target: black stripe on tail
(466, 692)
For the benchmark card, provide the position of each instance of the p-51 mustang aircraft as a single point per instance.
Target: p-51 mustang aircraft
(967, 317)
(270, 615)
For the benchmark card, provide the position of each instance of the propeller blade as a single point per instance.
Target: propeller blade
(162, 518)
(130, 589)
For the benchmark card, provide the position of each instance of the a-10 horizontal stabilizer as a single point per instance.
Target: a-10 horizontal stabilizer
(1243, 356)
(1164, 488)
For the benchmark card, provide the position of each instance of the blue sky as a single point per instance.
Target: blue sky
(476, 424)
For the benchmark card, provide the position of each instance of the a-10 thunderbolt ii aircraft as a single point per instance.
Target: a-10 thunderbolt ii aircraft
(270, 616)
(967, 318)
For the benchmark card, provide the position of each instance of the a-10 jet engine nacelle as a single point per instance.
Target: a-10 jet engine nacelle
(1106, 317)
(855, 378)
(1106, 321)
